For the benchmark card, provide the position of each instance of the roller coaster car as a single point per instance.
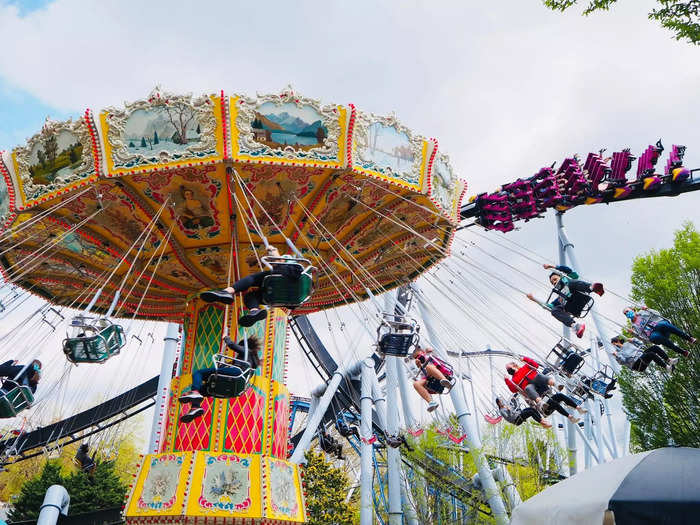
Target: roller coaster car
(14, 398)
(566, 357)
(93, 341)
(577, 304)
(291, 283)
(231, 383)
(397, 335)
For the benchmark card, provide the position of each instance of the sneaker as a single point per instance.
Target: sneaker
(432, 406)
(672, 364)
(685, 353)
(598, 288)
(192, 415)
(190, 397)
(252, 317)
(445, 383)
(217, 296)
(580, 328)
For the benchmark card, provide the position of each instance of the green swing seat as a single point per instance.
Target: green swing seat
(106, 340)
(230, 384)
(14, 400)
(279, 290)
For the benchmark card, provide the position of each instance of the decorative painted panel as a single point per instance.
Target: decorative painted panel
(160, 487)
(58, 158)
(445, 188)
(282, 490)
(287, 128)
(161, 131)
(385, 148)
(225, 485)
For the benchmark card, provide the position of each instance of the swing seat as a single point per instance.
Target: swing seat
(282, 288)
(493, 420)
(397, 344)
(232, 383)
(577, 304)
(107, 340)
(397, 335)
(14, 400)
(566, 357)
(224, 386)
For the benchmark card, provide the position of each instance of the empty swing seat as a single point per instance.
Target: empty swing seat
(14, 398)
(291, 283)
(397, 335)
(96, 344)
(566, 357)
(231, 383)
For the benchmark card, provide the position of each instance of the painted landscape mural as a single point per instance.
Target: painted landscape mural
(172, 128)
(387, 148)
(54, 155)
(288, 125)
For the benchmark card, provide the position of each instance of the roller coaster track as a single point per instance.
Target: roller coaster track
(74, 428)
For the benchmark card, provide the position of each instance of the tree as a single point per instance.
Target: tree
(199, 131)
(50, 148)
(326, 488)
(73, 155)
(143, 142)
(155, 137)
(180, 117)
(26, 505)
(663, 408)
(41, 156)
(683, 18)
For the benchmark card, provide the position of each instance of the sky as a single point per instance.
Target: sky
(506, 88)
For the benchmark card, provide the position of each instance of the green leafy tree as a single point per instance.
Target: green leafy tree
(663, 409)
(88, 492)
(326, 490)
(683, 18)
(26, 505)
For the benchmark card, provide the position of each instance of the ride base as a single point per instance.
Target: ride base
(230, 465)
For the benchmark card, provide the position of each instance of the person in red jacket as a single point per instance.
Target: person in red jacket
(526, 379)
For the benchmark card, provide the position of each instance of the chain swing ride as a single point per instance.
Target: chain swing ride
(130, 215)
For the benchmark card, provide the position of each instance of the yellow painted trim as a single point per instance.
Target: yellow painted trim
(197, 480)
(132, 507)
(218, 156)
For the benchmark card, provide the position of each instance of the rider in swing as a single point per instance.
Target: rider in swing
(434, 379)
(199, 376)
(253, 299)
(650, 324)
(568, 287)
